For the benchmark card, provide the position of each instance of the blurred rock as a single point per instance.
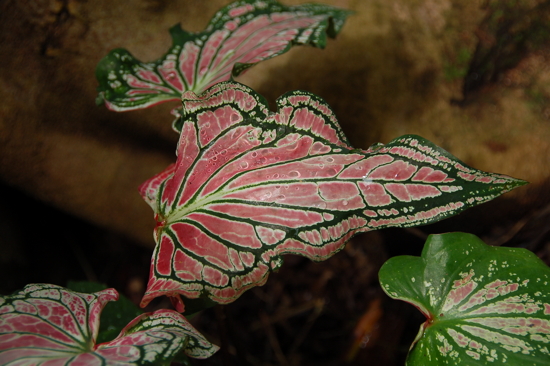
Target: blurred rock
(394, 69)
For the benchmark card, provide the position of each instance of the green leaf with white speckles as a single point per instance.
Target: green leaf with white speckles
(484, 305)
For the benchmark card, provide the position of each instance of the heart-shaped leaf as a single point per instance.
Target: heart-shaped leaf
(484, 305)
(46, 324)
(250, 185)
(238, 36)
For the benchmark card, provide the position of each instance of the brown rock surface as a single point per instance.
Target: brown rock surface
(390, 72)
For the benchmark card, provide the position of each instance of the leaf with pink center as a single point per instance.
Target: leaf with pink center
(238, 36)
(250, 185)
(48, 324)
(484, 305)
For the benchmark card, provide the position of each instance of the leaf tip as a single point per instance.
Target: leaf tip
(177, 303)
(100, 99)
(509, 183)
(336, 23)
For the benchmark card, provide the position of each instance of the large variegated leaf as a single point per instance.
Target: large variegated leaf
(250, 185)
(484, 305)
(48, 324)
(238, 36)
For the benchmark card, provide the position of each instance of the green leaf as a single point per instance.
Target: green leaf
(250, 185)
(484, 305)
(238, 36)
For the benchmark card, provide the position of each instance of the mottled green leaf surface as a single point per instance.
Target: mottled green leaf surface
(484, 305)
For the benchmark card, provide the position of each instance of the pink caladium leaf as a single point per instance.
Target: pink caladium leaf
(47, 324)
(238, 36)
(484, 305)
(250, 185)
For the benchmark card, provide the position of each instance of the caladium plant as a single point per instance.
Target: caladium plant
(114, 316)
(484, 305)
(250, 185)
(48, 324)
(238, 36)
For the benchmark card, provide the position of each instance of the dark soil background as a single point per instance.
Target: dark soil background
(473, 77)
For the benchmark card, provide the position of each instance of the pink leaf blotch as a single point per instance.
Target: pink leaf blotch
(484, 305)
(238, 36)
(53, 325)
(250, 185)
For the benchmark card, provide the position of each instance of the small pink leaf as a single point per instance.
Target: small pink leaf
(238, 36)
(159, 335)
(250, 185)
(48, 324)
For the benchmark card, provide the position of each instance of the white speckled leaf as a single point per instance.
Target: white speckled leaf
(484, 305)
(50, 325)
